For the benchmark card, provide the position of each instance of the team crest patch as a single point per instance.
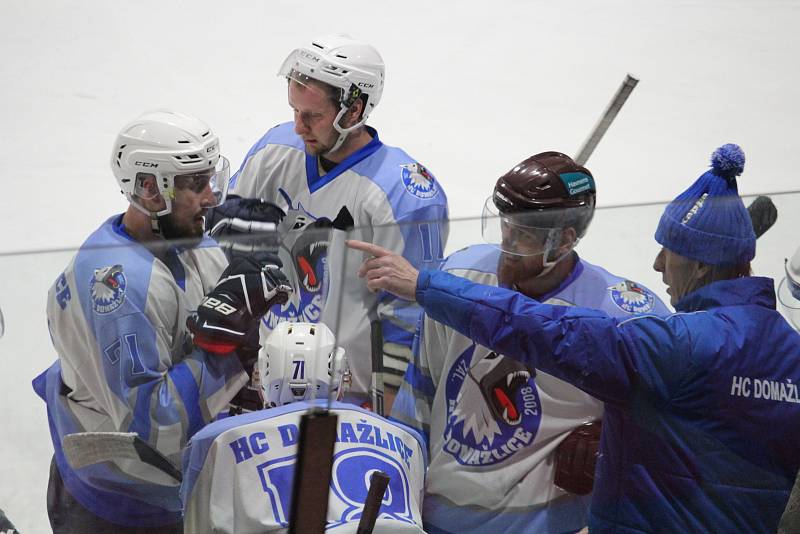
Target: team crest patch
(418, 181)
(493, 408)
(631, 297)
(108, 289)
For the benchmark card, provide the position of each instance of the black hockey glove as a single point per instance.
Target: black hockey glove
(246, 227)
(229, 313)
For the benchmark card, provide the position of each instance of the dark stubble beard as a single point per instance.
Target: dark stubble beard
(185, 235)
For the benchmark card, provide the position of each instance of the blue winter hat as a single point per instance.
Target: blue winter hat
(708, 222)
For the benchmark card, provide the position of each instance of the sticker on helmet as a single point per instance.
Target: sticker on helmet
(418, 181)
(107, 289)
(577, 182)
(631, 297)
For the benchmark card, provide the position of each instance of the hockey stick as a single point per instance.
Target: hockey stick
(89, 448)
(312, 475)
(372, 506)
(763, 214)
(606, 119)
(376, 333)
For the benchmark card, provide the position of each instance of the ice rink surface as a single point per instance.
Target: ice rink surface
(472, 89)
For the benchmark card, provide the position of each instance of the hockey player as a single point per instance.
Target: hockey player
(118, 317)
(327, 158)
(695, 434)
(495, 426)
(238, 472)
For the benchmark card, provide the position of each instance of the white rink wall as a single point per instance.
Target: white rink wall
(472, 89)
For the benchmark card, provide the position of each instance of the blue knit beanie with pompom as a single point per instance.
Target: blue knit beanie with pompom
(708, 222)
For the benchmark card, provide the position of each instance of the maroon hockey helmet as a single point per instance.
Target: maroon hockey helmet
(534, 201)
(547, 190)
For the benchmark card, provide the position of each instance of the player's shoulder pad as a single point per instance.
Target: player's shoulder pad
(481, 257)
(626, 295)
(111, 269)
(403, 178)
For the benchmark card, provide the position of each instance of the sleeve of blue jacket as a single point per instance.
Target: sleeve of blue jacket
(610, 359)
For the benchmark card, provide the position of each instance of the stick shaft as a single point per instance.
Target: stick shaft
(606, 119)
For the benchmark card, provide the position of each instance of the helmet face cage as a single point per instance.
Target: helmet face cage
(168, 146)
(301, 362)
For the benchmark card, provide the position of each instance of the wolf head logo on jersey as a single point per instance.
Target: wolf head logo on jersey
(418, 181)
(303, 252)
(492, 408)
(107, 289)
(631, 297)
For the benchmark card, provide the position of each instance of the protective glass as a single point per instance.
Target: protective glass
(521, 233)
(217, 179)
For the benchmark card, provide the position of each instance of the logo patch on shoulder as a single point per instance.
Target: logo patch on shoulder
(418, 181)
(108, 289)
(631, 297)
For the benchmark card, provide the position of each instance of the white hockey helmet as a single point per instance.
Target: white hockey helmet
(300, 361)
(789, 290)
(352, 66)
(167, 144)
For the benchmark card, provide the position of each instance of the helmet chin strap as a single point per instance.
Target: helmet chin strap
(343, 132)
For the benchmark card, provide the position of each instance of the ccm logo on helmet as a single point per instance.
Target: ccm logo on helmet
(216, 304)
(366, 85)
(145, 164)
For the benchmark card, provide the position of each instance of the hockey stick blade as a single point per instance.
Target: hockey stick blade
(372, 506)
(606, 119)
(89, 448)
(763, 214)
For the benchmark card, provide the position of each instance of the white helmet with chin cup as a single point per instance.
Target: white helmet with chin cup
(340, 61)
(167, 144)
(300, 361)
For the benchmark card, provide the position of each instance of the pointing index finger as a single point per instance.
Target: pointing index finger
(369, 248)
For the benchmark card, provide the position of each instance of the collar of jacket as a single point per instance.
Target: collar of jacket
(756, 290)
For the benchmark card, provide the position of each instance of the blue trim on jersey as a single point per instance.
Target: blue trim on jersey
(119, 228)
(577, 269)
(190, 395)
(175, 266)
(111, 505)
(395, 334)
(316, 182)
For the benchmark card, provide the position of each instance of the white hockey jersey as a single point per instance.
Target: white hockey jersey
(394, 201)
(239, 471)
(126, 363)
(493, 424)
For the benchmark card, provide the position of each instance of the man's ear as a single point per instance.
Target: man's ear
(568, 238)
(147, 192)
(354, 113)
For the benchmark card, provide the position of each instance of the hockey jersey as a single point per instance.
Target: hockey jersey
(493, 428)
(239, 471)
(126, 363)
(394, 201)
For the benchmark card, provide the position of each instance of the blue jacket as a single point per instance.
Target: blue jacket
(699, 432)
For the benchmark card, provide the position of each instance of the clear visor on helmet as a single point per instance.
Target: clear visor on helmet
(300, 67)
(217, 179)
(524, 233)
